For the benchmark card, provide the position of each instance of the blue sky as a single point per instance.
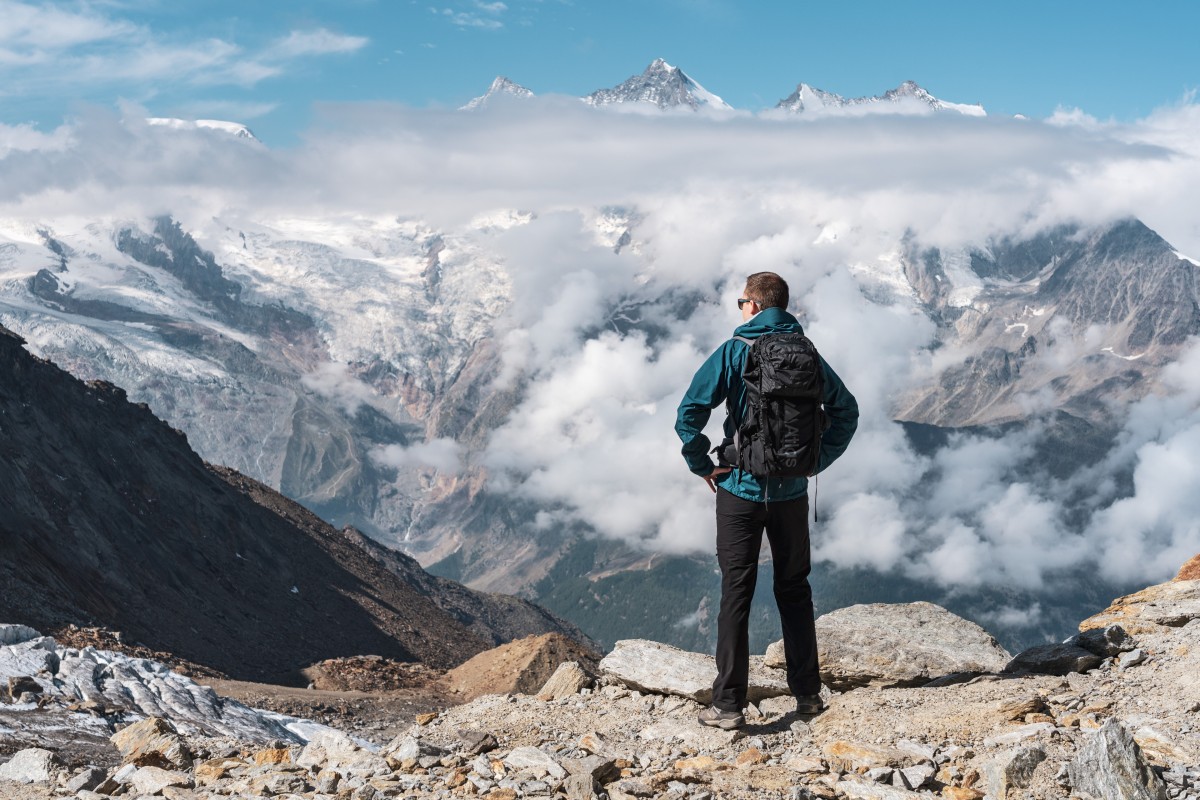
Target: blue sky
(270, 64)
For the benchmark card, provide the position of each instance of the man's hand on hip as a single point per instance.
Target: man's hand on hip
(711, 478)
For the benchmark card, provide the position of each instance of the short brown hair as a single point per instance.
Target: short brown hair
(768, 290)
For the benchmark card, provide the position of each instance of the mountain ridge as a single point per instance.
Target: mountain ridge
(111, 519)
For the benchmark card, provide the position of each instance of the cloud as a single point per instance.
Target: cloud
(55, 50)
(335, 381)
(443, 455)
(602, 343)
(485, 16)
(315, 42)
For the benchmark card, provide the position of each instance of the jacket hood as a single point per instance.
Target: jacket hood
(769, 320)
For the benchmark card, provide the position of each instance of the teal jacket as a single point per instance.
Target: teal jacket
(719, 379)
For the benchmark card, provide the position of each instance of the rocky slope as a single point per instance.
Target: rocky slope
(110, 519)
(1119, 724)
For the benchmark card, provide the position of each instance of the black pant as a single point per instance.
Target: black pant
(740, 525)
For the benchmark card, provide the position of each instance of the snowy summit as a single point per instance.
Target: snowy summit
(907, 97)
(232, 128)
(661, 84)
(500, 86)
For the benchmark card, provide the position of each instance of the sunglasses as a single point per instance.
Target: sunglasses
(742, 301)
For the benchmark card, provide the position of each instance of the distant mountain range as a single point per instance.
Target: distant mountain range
(666, 87)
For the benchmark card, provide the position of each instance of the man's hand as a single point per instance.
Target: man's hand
(711, 478)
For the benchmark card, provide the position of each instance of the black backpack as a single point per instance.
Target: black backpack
(780, 434)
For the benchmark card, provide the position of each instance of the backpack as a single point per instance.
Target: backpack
(780, 434)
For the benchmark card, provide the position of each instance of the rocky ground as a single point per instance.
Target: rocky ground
(1114, 713)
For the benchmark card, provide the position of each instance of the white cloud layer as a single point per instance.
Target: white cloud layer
(822, 202)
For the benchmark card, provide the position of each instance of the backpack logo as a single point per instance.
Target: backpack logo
(780, 432)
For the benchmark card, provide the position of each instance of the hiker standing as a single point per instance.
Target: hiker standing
(761, 482)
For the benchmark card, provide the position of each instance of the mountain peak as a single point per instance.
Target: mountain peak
(908, 93)
(501, 86)
(235, 129)
(661, 84)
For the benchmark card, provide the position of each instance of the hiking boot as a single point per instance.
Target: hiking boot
(809, 705)
(725, 720)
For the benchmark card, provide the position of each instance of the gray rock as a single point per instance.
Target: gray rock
(32, 765)
(536, 761)
(1053, 659)
(89, 778)
(566, 681)
(1033, 730)
(630, 787)
(662, 669)
(879, 774)
(152, 780)
(580, 787)
(16, 634)
(598, 767)
(1131, 659)
(407, 752)
(898, 644)
(857, 790)
(1104, 642)
(477, 741)
(335, 750)
(1110, 764)
(1011, 770)
(913, 777)
(326, 781)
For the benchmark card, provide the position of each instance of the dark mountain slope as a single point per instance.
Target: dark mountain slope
(108, 518)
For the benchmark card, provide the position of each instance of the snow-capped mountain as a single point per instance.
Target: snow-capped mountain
(500, 86)
(908, 96)
(235, 129)
(662, 85)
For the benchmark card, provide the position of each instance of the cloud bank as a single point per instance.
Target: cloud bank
(603, 343)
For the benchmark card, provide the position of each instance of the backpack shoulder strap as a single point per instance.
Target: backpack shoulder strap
(744, 340)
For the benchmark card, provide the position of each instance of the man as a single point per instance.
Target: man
(747, 505)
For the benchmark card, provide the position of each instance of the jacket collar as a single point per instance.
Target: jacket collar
(769, 320)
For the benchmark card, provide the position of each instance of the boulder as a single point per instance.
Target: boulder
(1104, 642)
(87, 779)
(153, 742)
(152, 780)
(566, 681)
(539, 762)
(32, 765)
(519, 667)
(335, 750)
(1053, 659)
(1011, 770)
(659, 668)
(1110, 764)
(898, 644)
(1166, 605)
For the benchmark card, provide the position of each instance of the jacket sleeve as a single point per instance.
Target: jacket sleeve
(706, 392)
(842, 410)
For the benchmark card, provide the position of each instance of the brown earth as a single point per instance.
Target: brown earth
(369, 674)
(1191, 570)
